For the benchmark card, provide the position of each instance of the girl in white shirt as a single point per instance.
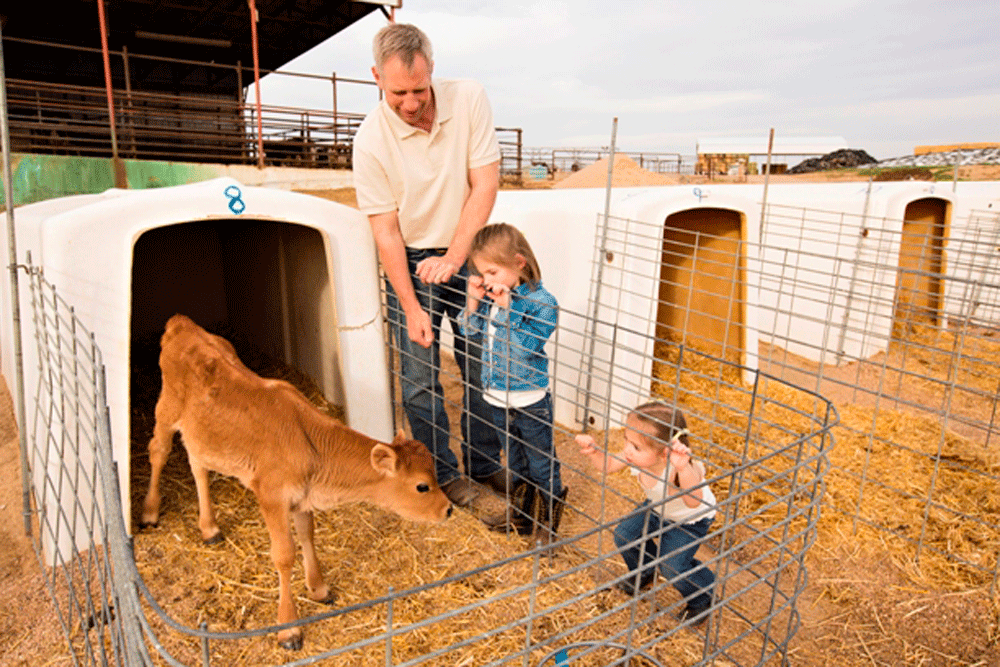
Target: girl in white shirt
(679, 508)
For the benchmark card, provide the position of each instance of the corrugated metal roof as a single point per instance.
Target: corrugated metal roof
(205, 31)
(782, 145)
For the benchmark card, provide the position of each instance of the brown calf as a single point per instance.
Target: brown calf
(294, 458)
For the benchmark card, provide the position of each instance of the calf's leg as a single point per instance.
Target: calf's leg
(210, 531)
(316, 585)
(283, 555)
(159, 449)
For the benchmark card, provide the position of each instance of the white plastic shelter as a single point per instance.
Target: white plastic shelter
(828, 225)
(292, 275)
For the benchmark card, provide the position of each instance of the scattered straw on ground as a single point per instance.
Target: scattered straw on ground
(365, 551)
(901, 472)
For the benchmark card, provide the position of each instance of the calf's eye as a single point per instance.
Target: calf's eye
(423, 488)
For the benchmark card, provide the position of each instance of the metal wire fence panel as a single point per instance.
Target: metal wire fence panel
(78, 528)
(511, 600)
(893, 323)
(893, 320)
(764, 444)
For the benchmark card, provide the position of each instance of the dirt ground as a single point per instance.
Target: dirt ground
(29, 631)
(862, 606)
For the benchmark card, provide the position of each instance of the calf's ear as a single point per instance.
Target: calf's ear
(384, 459)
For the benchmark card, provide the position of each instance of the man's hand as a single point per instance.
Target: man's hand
(436, 270)
(418, 326)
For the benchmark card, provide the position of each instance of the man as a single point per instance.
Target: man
(426, 172)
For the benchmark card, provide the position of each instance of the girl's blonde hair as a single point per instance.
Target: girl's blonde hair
(401, 39)
(502, 243)
(663, 423)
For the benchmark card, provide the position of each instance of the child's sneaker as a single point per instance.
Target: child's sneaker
(694, 614)
(627, 586)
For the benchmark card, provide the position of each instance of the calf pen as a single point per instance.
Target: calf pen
(455, 594)
(896, 321)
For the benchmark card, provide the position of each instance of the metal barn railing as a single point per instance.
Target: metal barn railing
(181, 125)
(73, 120)
(221, 126)
(574, 159)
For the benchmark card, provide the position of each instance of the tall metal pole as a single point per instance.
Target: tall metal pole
(128, 96)
(15, 299)
(121, 180)
(336, 118)
(767, 178)
(600, 277)
(256, 82)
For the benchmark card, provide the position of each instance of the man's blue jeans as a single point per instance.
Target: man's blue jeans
(677, 542)
(423, 395)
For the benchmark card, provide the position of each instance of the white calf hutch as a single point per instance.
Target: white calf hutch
(291, 275)
(698, 261)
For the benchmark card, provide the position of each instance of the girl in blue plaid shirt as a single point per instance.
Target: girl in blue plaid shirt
(515, 315)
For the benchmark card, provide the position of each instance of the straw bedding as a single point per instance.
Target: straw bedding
(903, 457)
(870, 600)
(365, 551)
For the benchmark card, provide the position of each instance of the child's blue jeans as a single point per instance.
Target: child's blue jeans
(678, 544)
(526, 435)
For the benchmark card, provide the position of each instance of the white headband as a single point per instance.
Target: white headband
(678, 434)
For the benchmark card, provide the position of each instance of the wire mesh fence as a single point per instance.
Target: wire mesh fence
(893, 320)
(763, 441)
(77, 526)
(460, 593)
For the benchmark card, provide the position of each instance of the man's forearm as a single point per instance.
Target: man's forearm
(475, 212)
(392, 254)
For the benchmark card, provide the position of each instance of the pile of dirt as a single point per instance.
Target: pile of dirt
(626, 172)
(840, 159)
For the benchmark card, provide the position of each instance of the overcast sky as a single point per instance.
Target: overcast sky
(886, 76)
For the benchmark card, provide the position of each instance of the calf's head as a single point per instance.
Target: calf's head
(409, 487)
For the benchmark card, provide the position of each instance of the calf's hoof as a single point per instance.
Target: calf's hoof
(293, 643)
(143, 525)
(218, 538)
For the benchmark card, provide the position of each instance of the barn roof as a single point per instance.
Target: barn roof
(782, 145)
(197, 30)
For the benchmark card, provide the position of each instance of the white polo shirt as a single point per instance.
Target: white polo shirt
(424, 175)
